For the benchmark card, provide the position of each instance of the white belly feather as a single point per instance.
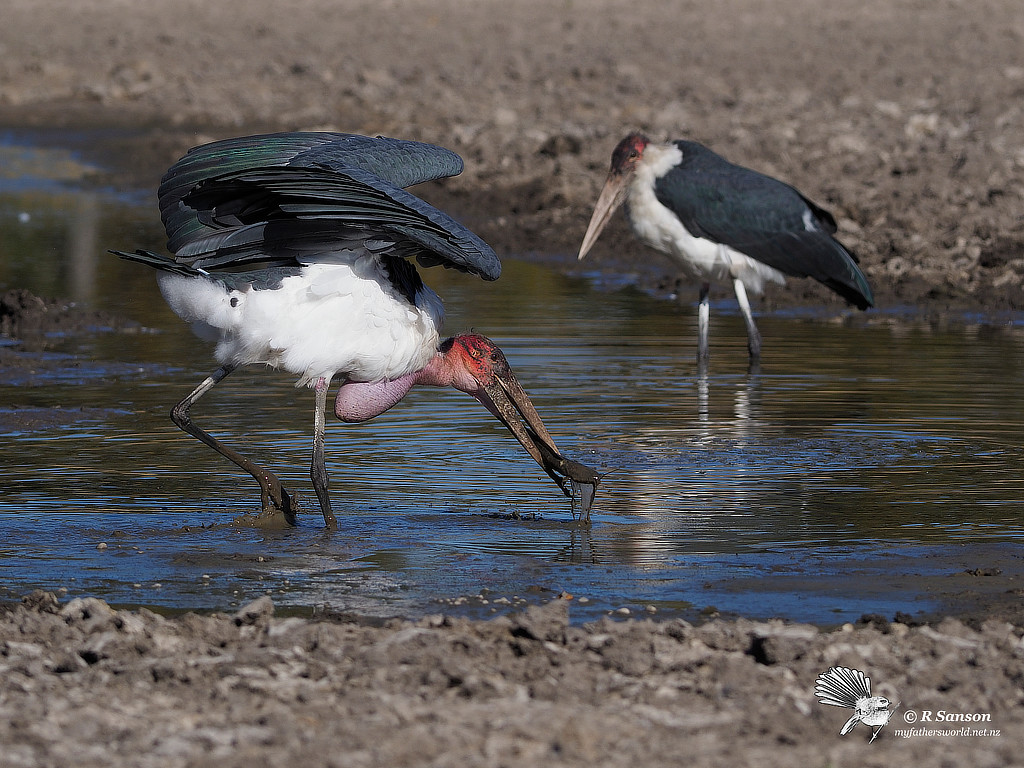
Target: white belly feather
(342, 317)
(658, 227)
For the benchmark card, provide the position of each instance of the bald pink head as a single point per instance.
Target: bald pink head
(627, 153)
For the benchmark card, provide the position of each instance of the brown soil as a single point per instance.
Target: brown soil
(905, 118)
(88, 686)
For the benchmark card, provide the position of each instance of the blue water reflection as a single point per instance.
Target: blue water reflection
(861, 452)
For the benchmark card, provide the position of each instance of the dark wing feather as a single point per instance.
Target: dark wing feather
(259, 279)
(244, 200)
(401, 163)
(760, 217)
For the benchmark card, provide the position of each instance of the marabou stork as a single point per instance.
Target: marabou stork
(721, 221)
(293, 250)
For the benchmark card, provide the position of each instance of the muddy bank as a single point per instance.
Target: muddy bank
(31, 318)
(903, 119)
(88, 685)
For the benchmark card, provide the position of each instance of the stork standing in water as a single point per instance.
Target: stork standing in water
(722, 222)
(292, 250)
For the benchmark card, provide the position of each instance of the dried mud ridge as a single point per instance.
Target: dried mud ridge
(83, 684)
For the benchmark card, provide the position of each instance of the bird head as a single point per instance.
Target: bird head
(479, 368)
(625, 159)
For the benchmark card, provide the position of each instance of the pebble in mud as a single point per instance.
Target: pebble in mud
(493, 603)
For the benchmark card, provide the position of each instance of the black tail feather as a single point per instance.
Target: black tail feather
(157, 261)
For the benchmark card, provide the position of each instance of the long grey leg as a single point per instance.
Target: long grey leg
(272, 494)
(318, 469)
(753, 335)
(703, 323)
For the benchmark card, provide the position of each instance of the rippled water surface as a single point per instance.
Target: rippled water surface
(859, 454)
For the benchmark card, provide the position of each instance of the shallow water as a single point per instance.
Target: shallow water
(861, 454)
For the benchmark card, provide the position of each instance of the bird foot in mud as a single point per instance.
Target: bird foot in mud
(286, 508)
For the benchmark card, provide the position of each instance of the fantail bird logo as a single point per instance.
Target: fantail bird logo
(850, 688)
